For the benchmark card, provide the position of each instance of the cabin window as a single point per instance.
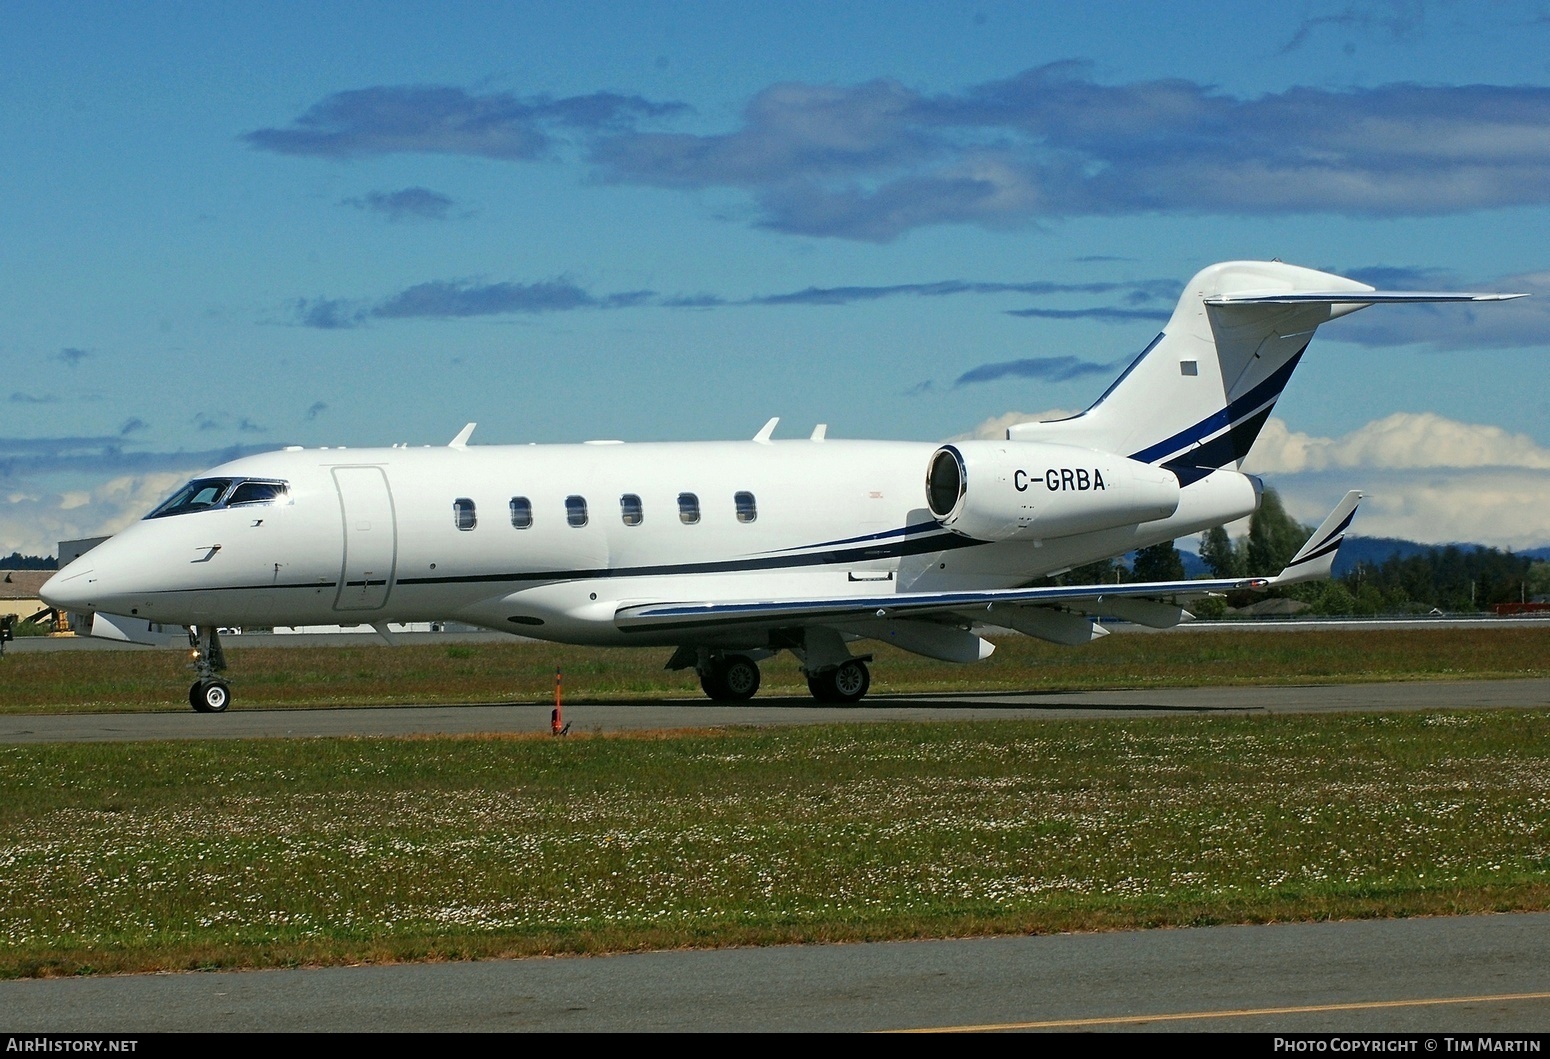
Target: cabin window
(630, 509)
(463, 514)
(576, 511)
(747, 508)
(688, 508)
(521, 512)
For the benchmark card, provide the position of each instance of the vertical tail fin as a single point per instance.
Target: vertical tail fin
(1196, 398)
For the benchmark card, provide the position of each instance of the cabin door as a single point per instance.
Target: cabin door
(370, 538)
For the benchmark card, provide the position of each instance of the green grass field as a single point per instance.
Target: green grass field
(284, 852)
(148, 856)
(371, 674)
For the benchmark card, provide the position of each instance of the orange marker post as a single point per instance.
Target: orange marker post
(557, 718)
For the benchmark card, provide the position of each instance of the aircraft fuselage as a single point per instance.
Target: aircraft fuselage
(551, 540)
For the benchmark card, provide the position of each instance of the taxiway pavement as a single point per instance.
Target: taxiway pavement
(1468, 975)
(701, 713)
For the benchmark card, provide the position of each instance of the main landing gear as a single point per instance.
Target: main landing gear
(209, 694)
(730, 678)
(847, 682)
(735, 677)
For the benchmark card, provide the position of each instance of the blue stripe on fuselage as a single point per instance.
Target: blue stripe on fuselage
(903, 531)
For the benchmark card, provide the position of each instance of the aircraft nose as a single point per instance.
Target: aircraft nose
(71, 588)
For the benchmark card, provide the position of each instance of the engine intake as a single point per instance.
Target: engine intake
(1006, 490)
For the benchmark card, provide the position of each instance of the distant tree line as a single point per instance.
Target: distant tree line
(1448, 578)
(18, 561)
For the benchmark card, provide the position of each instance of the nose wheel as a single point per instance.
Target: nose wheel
(210, 694)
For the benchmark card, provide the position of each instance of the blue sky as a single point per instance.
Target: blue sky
(237, 227)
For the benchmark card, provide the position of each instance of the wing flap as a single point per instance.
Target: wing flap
(1045, 610)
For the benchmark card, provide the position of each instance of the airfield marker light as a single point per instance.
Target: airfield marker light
(557, 725)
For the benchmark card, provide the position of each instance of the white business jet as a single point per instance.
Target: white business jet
(729, 552)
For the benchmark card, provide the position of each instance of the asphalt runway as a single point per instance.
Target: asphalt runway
(1428, 977)
(702, 713)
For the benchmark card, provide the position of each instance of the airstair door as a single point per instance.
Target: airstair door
(370, 538)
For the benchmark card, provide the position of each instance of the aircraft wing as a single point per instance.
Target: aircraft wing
(1158, 604)
(985, 605)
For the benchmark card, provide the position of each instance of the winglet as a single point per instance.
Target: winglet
(1315, 559)
(763, 436)
(461, 441)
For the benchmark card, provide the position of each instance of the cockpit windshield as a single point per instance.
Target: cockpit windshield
(206, 494)
(256, 493)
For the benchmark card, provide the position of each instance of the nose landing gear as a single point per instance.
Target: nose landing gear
(209, 694)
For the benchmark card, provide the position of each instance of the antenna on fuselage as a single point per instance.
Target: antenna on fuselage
(461, 441)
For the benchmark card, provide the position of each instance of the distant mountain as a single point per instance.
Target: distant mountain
(1377, 550)
(1371, 550)
(1374, 551)
(1194, 566)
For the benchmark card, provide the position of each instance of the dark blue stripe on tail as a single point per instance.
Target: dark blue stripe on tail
(1233, 445)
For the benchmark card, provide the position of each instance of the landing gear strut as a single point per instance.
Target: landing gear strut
(209, 694)
(730, 678)
(846, 682)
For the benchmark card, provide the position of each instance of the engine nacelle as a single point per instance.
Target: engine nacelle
(1027, 490)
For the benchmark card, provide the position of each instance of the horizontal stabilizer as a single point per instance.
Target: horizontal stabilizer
(1355, 297)
(1315, 559)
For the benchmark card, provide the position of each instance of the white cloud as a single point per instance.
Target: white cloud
(1501, 507)
(1404, 440)
(994, 428)
(34, 523)
(1428, 479)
